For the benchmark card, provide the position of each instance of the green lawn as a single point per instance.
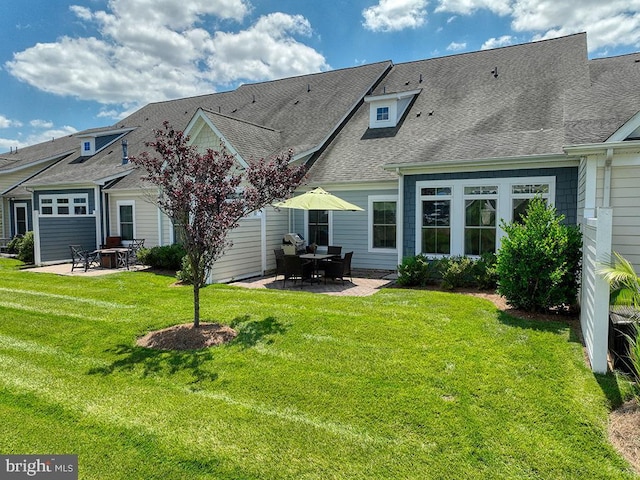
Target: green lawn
(403, 384)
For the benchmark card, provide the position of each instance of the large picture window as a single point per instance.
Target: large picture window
(436, 220)
(64, 205)
(480, 208)
(462, 217)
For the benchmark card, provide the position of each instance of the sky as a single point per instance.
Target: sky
(66, 66)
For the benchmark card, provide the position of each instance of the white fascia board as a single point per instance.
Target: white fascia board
(625, 130)
(56, 157)
(503, 163)
(391, 96)
(103, 133)
(599, 148)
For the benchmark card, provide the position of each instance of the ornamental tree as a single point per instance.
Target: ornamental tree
(208, 194)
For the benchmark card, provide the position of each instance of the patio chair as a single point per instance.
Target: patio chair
(295, 268)
(279, 254)
(83, 258)
(133, 249)
(334, 250)
(339, 269)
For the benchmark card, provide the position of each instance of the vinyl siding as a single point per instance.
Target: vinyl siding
(9, 180)
(626, 216)
(145, 218)
(244, 258)
(57, 233)
(350, 230)
(277, 226)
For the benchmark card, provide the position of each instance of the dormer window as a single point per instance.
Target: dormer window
(87, 147)
(386, 111)
(382, 114)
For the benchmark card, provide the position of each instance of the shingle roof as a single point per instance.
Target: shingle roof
(611, 100)
(465, 112)
(303, 110)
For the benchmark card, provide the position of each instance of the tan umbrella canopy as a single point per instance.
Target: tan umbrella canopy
(318, 199)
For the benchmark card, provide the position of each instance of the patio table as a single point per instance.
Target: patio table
(109, 257)
(316, 257)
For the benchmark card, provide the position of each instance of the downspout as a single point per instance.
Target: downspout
(606, 200)
(400, 217)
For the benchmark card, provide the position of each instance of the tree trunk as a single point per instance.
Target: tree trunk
(196, 304)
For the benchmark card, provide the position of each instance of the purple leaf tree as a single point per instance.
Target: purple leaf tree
(206, 195)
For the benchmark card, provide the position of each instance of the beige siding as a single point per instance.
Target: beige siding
(277, 224)
(626, 212)
(205, 138)
(7, 181)
(145, 217)
(244, 259)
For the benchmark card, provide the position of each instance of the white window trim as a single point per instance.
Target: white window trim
(16, 206)
(381, 198)
(503, 205)
(126, 203)
(69, 196)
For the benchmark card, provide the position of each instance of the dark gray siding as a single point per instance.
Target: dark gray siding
(57, 233)
(566, 200)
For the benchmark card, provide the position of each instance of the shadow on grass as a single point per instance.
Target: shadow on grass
(159, 362)
(544, 323)
(252, 332)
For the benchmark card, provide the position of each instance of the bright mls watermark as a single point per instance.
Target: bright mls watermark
(45, 467)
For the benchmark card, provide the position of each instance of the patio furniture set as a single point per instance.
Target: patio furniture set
(306, 267)
(112, 254)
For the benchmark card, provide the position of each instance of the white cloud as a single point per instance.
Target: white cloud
(153, 50)
(6, 143)
(467, 7)
(41, 123)
(394, 15)
(497, 42)
(456, 47)
(608, 23)
(8, 123)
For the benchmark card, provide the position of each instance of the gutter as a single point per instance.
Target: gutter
(483, 162)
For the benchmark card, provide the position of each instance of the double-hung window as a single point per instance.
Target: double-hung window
(480, 219)
(318, 227)
(382, 222)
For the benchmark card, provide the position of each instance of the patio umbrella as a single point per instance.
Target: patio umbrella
(318, 199)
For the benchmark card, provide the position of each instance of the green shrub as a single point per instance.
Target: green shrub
(450, 272)
(167, 257)
(26, 249)
(22, 246)
(539, 260)
(485, 271)
(417, 271)
(456, 272)
(185, 274)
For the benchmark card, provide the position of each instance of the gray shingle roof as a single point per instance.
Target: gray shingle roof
(464, 112)
(302, 110)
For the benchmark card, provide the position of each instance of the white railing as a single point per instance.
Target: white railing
(594, 298)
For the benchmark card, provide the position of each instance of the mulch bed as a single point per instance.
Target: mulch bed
(186, 337)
